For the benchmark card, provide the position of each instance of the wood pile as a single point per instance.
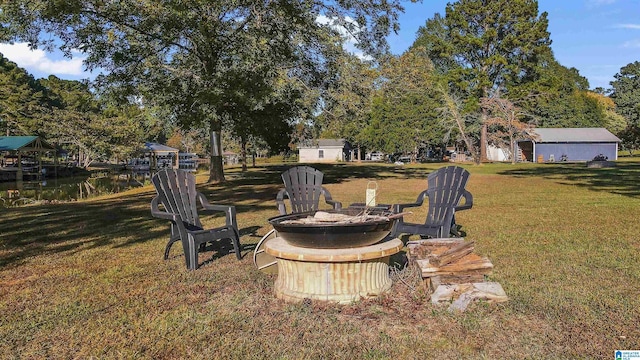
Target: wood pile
(453, 273)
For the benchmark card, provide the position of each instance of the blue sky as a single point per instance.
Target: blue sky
(597, 37)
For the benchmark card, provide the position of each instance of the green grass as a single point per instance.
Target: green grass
(87, 279)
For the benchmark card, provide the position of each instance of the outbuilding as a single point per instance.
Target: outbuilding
(23, 148)
(323, 150)
(154, 156)
(569, 144)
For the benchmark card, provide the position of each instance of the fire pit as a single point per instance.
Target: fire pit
(335, 275)
(339, 261)
(334, 229)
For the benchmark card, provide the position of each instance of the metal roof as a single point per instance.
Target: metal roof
(155, 147)
(573, 135)
(23, 143)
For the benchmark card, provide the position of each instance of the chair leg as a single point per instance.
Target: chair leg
(190, 253)
(236, 243)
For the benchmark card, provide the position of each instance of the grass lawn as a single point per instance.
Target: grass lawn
(87, 279)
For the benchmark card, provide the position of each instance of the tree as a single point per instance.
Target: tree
(494, 44)
(557, 96)
(630, 138)
(96, 130)
(346, 105)
(23, 101)
(611, 120)
(504, 123)
(201, 58)
(404, 109)
(626, 92)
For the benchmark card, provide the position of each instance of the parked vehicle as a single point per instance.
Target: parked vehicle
(376, 156)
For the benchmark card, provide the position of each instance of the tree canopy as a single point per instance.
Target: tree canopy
(625, 92)
(202, 59)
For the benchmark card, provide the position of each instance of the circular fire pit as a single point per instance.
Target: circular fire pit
(358, 231)
(337, 275)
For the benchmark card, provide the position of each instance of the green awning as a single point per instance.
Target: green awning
(24, 143)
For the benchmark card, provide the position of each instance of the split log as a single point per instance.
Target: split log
(469, 264)
(453, 254)
(421, 249)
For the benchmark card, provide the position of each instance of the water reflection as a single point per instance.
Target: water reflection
(68, 189)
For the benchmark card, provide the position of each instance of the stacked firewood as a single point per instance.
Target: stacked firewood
(453, 273)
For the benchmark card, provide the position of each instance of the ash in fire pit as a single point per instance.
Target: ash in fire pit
(333, 229)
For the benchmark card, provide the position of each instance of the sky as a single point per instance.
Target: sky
(597, 37)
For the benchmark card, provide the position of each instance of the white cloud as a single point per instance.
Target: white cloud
(632, 43)
(38, 60)
(349, 40)
(629, 26)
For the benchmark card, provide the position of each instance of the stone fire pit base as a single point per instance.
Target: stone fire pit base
(336, 275)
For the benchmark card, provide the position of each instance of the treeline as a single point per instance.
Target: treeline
(269, 74)
(67, 114)
(484, 72)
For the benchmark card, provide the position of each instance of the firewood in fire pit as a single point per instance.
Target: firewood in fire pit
(323, 217)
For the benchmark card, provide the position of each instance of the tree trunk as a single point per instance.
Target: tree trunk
(513, 149)
(243, 153)
(216, 171)
(483, 139)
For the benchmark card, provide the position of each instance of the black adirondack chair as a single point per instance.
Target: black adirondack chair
(176, 191)
(446, 188)
(303, 187)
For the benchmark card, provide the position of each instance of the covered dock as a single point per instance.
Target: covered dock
(22, 155)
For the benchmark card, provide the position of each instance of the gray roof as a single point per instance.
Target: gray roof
(323, 143)
(570, 135)
(155, 147)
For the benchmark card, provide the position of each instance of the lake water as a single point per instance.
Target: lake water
(68, 189)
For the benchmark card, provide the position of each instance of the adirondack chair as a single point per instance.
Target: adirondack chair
(176, 191)
(303, 187)
(445, 190)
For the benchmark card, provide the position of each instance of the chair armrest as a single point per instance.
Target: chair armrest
(468, 201)
(327, 198)
(157, 213)
(398, 208)
(282, 207)
(229, 210)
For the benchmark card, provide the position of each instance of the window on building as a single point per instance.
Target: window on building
(320, 154)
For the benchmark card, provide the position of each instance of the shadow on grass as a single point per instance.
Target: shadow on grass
(126, 220)
(116, 222)
(621, 180)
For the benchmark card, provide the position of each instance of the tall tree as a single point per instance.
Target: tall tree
(404, 109)
(493, 44)
(200, 58)
(346, 105)
(626, 92)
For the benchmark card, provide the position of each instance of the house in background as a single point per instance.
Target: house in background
(323, 150)
(569, 144)
(154, 156)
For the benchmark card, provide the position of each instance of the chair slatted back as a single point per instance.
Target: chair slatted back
(445, 189)
(177, 192)
(304, 187)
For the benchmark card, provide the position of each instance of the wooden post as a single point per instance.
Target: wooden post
(19, 173)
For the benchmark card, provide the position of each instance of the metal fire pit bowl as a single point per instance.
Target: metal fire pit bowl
(333, 236)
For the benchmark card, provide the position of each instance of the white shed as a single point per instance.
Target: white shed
(323, 150)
